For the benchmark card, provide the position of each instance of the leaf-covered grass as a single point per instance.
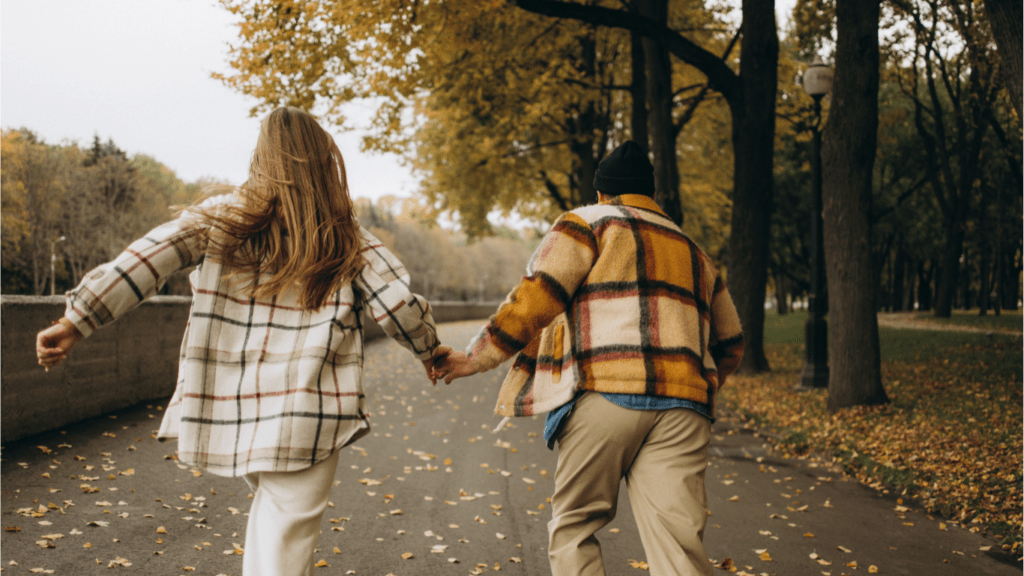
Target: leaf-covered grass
(950, 438)
(1007, 320)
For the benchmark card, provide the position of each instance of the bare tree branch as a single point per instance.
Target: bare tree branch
(720, 76)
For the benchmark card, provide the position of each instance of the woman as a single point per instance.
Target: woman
(269, 376)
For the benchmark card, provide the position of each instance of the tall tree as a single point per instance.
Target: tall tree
(848, 155)
(751, 98)
(951, 82)
(32, 176)
(1006, 17)
(508, 109)
(658, 74)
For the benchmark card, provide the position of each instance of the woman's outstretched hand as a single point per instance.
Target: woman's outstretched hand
(440, 353)
(455, 365)
(54, 343)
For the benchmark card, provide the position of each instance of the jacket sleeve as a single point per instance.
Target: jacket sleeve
(384, 285)
(114, 288)
(726, 344)
(557, 269)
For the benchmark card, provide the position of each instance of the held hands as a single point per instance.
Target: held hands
(440, 353)
(54, 343)
(455, 365)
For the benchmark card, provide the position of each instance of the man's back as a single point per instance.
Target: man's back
(643, 319)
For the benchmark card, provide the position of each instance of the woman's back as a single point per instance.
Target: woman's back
(270, 369)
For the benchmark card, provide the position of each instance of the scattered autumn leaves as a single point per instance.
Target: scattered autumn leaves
(405, 414)
(951, 437)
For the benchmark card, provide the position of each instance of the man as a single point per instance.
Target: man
(617, 296)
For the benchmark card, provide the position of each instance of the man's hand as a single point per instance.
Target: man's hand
(54, 343)
(455, 365)
(440, 353)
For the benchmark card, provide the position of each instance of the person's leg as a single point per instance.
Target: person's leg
(597, 444)
(284, 521)
(666, 490)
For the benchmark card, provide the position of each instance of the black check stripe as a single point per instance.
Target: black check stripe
(263, 385)
(645, 315)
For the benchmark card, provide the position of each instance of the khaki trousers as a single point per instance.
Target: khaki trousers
(662, 454)
(284, 521)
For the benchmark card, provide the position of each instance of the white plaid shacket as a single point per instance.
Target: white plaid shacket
(263, 385)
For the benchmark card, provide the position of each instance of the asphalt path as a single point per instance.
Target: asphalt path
(434, 490)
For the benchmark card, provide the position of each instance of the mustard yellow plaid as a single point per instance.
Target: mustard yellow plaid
(616, 299)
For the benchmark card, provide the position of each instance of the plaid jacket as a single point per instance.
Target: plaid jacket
(263, 385)
(616, 299)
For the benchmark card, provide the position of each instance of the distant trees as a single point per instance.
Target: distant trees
(442, 264)
(98, 198)
(946, 193)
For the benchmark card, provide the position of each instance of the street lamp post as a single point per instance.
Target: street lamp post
(53, 264)
(817, 82)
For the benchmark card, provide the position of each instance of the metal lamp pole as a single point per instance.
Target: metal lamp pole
(53, 264)
(817, 82)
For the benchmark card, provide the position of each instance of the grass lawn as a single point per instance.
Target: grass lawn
(950, 438)
(1007, 320)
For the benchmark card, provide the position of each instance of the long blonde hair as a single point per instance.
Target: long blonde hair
(296, 218)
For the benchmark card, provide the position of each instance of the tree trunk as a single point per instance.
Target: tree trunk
(38, 276)
(585, 127)
(984, 251)
(966, 294)
(945, 285)
(584, 168)
(638, 92)
(879, 264)
(848, 157)
(899, 266)
(1005, 17)
(925, 271)
(658, 64)
(1011, 274)
(753, 140)
(908, 292)
(751, 99)
(984, 271)
(781, 292)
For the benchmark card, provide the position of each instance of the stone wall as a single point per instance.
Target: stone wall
(131, 361)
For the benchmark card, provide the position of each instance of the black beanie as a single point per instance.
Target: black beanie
(625, 171)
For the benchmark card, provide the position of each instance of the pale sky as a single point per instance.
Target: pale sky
(138, 72)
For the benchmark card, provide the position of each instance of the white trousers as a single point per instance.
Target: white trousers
(284, 521)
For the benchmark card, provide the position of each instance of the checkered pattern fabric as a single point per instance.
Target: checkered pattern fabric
(263, 385)
(616, 299)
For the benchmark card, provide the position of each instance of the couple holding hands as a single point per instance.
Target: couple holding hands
(622, 332)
